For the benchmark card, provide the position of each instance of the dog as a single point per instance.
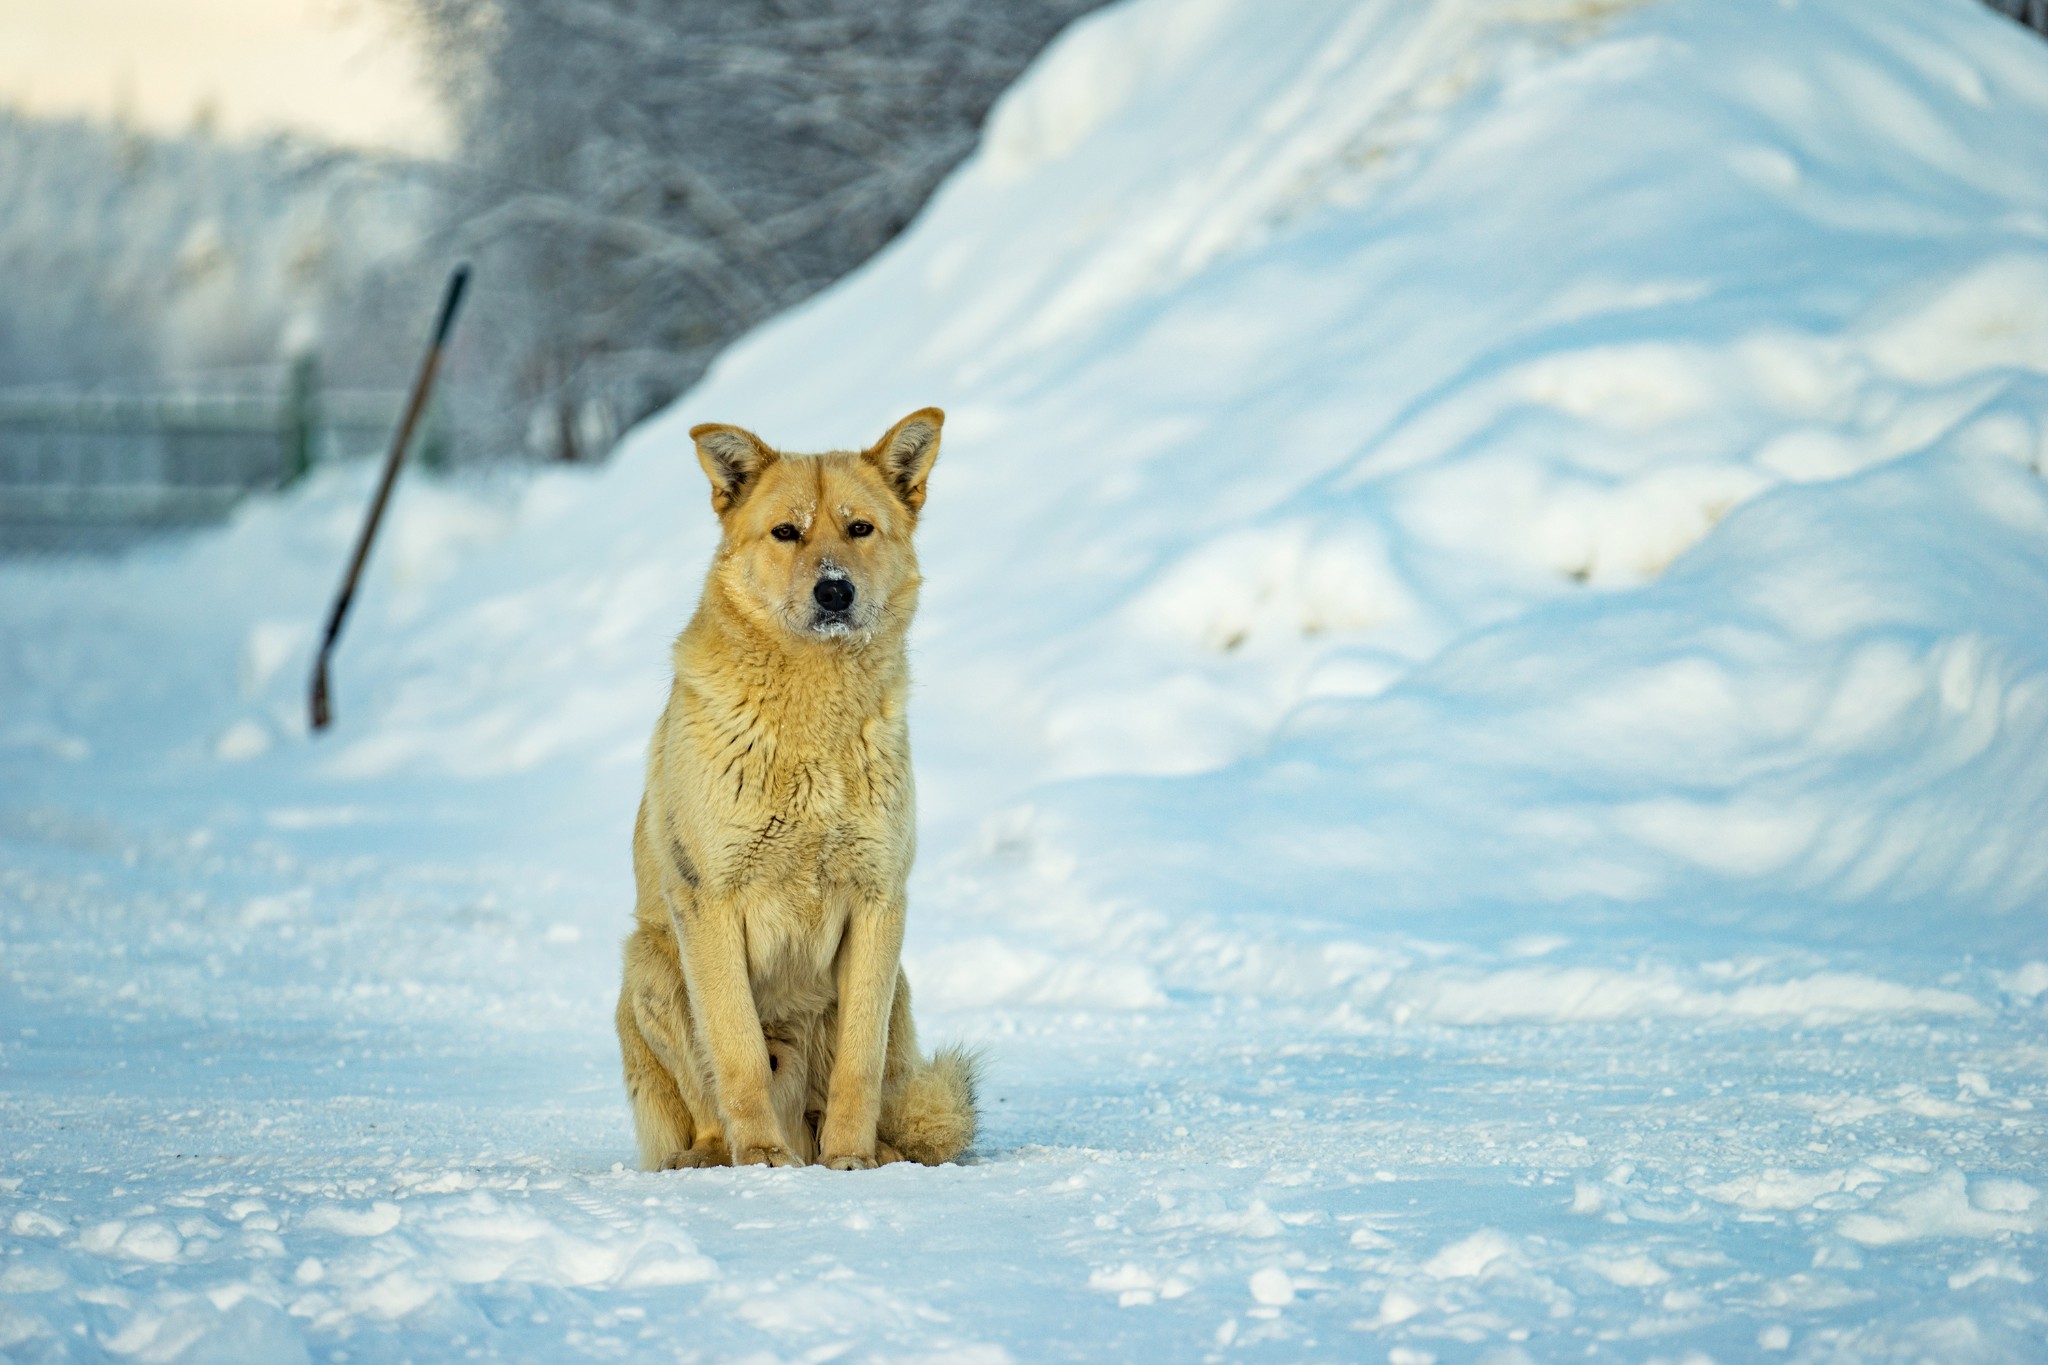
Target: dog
(764, 1017)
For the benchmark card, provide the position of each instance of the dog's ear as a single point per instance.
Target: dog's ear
(905, 456)
(733, 459)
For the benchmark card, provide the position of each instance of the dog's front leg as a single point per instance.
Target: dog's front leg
(868, 961)
(714, 954)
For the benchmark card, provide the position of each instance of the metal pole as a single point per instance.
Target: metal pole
(301, 417)
(422, 387)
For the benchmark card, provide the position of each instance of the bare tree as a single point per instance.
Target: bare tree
(642, 180)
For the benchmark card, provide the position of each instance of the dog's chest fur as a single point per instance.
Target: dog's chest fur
(795, 791)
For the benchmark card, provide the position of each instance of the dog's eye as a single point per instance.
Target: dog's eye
(860, 528)
(785, 531)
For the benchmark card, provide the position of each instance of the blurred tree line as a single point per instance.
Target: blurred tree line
(133, 260)
(637, 182)
(640, 181)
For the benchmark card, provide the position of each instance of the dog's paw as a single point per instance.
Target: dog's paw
(694, 1158)
(885, 1155)
(766, 1155)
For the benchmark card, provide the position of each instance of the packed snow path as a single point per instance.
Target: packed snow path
(1482, 731)
(403, 1140)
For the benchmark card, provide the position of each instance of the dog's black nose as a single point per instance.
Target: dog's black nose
(833, 594)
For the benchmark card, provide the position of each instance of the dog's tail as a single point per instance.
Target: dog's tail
(930, 1117)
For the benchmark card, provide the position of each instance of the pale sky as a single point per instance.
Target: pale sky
(341, 70)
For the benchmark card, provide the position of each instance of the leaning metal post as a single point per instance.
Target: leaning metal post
(422, 388)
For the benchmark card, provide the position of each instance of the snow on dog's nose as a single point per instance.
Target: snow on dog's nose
(833, 594)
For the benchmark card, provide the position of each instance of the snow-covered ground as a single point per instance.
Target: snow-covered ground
(1483, 726)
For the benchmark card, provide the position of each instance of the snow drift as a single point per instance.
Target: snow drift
(1552, 404)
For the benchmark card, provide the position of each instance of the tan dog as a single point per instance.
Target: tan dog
(764, 1018)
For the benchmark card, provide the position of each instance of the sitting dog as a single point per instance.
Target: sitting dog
(764, 1018)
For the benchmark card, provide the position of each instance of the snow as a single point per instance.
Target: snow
(1482, 722)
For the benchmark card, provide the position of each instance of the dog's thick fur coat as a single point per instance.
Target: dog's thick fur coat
(764, 1017)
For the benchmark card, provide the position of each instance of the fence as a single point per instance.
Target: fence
(92, 467)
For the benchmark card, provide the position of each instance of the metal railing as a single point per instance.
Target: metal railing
(75, 462)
